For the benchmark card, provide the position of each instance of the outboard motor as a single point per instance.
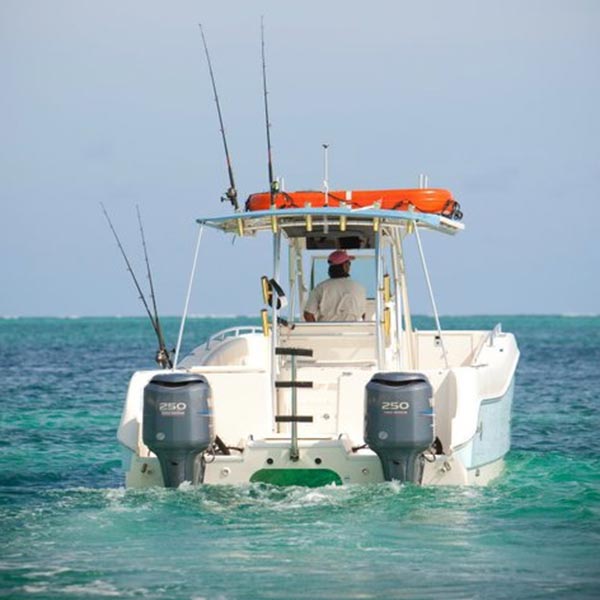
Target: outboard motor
(399, 422)
(178, 424)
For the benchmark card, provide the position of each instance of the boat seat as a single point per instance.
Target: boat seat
(333, 343)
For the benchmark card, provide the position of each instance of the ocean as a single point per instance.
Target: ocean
(69, 529)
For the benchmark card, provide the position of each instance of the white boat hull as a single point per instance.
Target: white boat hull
(471, 401)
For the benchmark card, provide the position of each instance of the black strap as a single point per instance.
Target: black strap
(293, 351)
(293, 419)
(293, 384)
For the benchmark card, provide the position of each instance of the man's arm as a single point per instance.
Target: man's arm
(312, 305)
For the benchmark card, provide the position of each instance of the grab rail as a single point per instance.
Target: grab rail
(494, 333)
(232, 332)
(488, 340)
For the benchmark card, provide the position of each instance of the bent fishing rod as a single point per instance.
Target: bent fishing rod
(231, 193)
(162, 355)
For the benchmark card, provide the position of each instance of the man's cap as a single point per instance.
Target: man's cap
(339, 257)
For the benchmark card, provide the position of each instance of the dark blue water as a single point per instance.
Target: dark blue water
(70, 530)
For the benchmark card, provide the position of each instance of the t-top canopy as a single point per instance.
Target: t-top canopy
(314, 223)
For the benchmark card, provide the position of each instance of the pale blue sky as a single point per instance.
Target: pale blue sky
(111, 101)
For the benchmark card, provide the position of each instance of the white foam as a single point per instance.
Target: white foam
(95, 588)
(35, 589)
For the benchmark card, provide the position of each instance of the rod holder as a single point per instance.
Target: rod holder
(264, 317)
(387, 293)
(387, 321)
(266, 290)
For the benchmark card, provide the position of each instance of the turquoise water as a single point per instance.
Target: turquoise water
(70, 530)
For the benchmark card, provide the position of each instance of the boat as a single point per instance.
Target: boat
(334, 385)
(295, 402)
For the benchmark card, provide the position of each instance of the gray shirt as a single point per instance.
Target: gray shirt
(340, 299)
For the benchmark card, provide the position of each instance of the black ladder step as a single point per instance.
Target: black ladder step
(293, 351)
(293, 419)
(293, 384)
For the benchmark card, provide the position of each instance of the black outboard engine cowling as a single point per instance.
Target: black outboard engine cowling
(178, 424)
(399, 423)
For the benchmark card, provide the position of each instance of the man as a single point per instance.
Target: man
(339, 298)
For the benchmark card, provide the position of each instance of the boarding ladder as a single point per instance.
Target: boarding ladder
(293, 384)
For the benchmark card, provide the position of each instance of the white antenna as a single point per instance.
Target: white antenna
(423, 181)
(326, 173)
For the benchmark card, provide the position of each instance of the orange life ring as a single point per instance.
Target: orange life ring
(428, 200)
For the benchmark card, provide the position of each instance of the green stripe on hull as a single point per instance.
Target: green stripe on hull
(303, 477)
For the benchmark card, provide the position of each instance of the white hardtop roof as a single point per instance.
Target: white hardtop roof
(299, 222)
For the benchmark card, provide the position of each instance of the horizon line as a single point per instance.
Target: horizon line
(254, 316)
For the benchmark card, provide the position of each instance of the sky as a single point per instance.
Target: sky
(111, 102)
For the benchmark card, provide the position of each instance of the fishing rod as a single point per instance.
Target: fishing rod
(231, 193)
(162, 356)
(273, 186)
